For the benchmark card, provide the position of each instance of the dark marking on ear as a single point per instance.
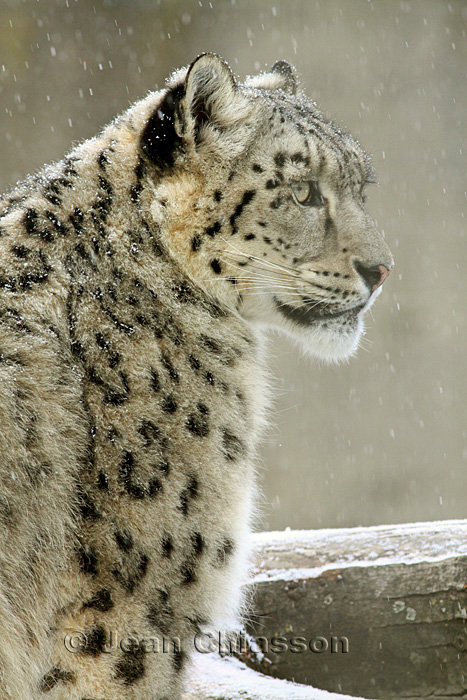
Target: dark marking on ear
(160, 142)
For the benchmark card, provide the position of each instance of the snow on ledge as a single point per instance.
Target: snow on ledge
(215, 678)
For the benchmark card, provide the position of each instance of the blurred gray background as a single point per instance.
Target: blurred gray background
(381, 439)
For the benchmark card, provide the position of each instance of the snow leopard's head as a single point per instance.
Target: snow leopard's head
(264, 203)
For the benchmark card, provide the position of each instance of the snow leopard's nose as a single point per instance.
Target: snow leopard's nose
(373, 276)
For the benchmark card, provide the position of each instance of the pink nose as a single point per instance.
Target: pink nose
(384, 274)
(373, 276)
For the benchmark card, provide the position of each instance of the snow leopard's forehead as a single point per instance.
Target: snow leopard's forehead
(305, 139)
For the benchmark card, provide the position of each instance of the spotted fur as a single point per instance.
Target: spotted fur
(136, 277)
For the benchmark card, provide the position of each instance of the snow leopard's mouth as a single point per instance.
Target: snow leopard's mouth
(304, 315)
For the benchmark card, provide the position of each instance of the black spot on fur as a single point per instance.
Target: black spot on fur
(95, 641)
(198, 543)
(173, 374)
(209, 377)
(249, 236)
(198, 422)
(34, 229)
(102, 601)
(224, 550)
(115, 398)
(155, 381)
(246, 199)
(179, 659)
(169, 405)
(149, 431)
(21, 251)
(256, 168)
(210, 344)
(87, 507)
(188, 573)
(194, 362)
(135, 192)
(279, 160)
(102, 481)
(232, 446)
(160, 142)
(88, 560)
(58, 226)
(134, 572)
(124, 540)
(167, 546)
(76, 220)
(212, 230)
(184, 293)
(196, 243)
(130, 667)
(154, 487)
(276, 203)
(54, 676)
(189, 494)
(217, 195)
(216, 266)
(160, 613)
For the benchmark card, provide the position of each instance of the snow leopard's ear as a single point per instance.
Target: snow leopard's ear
(210, 93)
(281, 76)
(202, 106)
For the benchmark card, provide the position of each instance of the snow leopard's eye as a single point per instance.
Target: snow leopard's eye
(308, 193)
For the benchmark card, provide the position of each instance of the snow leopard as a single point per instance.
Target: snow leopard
(139, 276)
